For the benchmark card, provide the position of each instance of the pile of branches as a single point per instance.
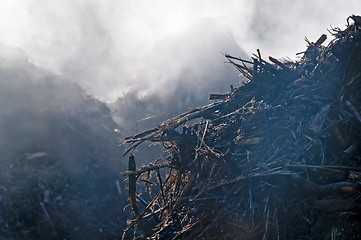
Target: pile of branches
(276, 158)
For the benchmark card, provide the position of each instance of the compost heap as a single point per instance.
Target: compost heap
(277, 158)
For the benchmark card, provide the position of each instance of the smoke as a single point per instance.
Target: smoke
(279, 27)
(154, 59)
(150, 59)
(107, 46)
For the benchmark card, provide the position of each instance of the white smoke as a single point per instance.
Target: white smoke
(107, 46)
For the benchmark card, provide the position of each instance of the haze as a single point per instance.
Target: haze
(113, 47)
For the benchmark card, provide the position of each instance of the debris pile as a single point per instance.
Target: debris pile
(276, 158)
(59, 159)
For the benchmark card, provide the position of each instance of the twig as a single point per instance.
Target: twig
(140, 216)
(146, 169)
(353, 109)
(159, 177)
(275, 61)
(326, 167)
(45, 211)
(132, 186)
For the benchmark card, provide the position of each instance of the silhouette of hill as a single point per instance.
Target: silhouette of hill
(60, 158)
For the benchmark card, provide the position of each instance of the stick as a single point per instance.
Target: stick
(321, 39)
(132, 198)
(278, 63)
(161, 185)
(325, 167)
(353, 109)
(259, 55)
(145, 169)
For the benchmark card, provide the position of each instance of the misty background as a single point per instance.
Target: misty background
(77, 77)
(110, 47)
(167, 51)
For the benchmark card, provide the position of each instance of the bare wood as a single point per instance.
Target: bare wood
(353, 109)
(132, 186)
(145, 169)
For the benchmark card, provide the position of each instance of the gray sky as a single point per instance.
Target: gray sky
(114, 46)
